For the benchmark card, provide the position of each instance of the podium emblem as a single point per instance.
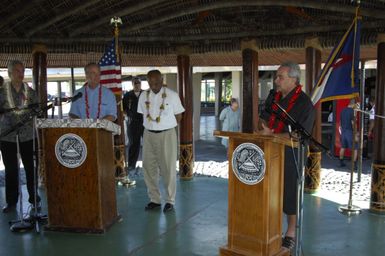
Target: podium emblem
(249, 163)
(71, 150)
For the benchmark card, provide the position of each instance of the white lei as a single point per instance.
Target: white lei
(11, 102)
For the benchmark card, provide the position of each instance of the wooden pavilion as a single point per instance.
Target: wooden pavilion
(187, 33)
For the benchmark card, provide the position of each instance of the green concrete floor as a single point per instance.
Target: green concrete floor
(197, 227)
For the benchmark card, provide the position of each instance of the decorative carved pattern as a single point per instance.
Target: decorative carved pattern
(186, 160)
(313, 172)
(119, 161)
(377, 197)
(78, 123)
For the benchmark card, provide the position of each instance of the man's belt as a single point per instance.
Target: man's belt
(158, 131)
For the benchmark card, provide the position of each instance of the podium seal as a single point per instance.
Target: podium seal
(249, 163)
(71, 150)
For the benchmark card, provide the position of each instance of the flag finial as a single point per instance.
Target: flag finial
(116, 21)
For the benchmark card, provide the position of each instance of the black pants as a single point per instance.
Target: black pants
(9, 152)
(135, 133)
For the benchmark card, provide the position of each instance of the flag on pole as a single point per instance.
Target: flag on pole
(339, 78)
(110, 69)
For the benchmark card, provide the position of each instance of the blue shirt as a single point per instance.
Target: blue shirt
(346, 118)
(107, 106)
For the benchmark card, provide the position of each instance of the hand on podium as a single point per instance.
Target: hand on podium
(266, 130)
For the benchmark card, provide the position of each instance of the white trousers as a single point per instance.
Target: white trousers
(159, 158)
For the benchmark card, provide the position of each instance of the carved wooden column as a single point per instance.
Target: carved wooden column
(186, 125)
(250, 97)
(39, 72)
(313, 68)
(119, 155)
(377, 197)
(39, 78)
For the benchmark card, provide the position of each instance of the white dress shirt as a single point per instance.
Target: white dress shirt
(172, 107)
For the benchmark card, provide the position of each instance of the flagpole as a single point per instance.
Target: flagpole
(120, 143)
(362, 117)
(351, 209)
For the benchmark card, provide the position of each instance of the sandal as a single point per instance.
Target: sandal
(288, 242)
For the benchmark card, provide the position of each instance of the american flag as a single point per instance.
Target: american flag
(110, 69)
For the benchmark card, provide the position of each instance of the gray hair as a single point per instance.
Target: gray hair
(294, 70)
(12, 64)
(91, 64)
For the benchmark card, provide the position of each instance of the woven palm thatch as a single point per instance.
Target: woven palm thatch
(76, 32)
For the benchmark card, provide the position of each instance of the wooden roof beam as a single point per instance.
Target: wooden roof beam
(61, 17)
(334, 7)
(190, 38)
(5, 21)
(127, 11)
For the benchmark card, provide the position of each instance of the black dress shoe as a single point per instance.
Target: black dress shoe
(151, 206)
(9, 208)
(168, 207)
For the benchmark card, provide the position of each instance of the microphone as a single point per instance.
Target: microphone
(270, 101)
(76, 97)
(70, 99)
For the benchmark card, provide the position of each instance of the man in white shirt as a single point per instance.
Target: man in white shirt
(162, 111)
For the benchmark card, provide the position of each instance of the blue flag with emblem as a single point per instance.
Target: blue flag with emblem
(339, 78)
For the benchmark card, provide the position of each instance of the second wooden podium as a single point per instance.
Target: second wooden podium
(80, 174)
(255, 210)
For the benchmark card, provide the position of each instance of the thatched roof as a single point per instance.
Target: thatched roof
(76, 32)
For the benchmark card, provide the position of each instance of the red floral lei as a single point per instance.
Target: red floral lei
(273, 117)
(99, 100)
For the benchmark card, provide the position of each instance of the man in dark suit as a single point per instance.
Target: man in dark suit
(135, 122)
(290, 96)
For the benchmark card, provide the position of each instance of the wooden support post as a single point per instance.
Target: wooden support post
(218, 93)
(39, 75)
(186, 125)
(377, 197)
(313, 68)
(73, 87)
(250, 97)
(119, 155)
(39, 72)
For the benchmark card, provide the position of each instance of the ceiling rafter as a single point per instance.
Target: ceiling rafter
(334, 7)
(127, 11)
(61, 17)
(209, 36)
(8, 19)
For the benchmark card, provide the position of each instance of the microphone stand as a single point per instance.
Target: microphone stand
(303, 136)
(22, 224)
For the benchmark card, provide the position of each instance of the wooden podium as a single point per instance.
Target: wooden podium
(80, 198)
(255, 211)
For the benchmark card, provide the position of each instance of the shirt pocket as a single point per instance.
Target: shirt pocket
(167, 109)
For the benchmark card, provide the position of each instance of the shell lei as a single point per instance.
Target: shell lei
(11, 102)
(161, 107)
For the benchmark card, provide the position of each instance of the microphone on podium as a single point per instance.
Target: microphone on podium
(76, 97)
(70, 99)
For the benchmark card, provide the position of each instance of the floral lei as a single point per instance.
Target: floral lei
(273, 117)
(86, 99)
(161, 108)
